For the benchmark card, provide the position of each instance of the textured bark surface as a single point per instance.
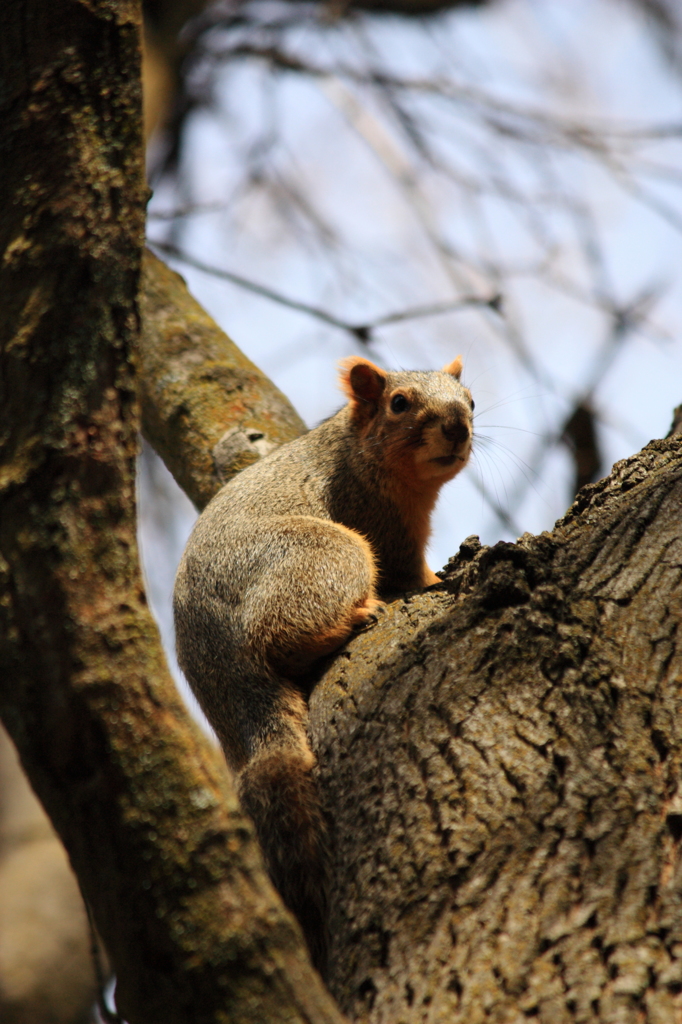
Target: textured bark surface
(141, 801)
(206, 409)
(501, 762)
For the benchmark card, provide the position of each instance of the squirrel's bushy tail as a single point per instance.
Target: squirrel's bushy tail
(278, 792)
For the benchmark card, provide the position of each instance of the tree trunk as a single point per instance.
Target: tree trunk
(145, 809)
(500, 760)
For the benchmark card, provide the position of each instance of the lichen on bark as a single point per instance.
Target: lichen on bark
(206, 409)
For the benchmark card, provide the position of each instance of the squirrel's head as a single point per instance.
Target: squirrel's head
(419, 422)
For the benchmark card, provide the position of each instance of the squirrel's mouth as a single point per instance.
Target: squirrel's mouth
(447, 460)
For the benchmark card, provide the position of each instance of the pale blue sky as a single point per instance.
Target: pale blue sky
(587, 61)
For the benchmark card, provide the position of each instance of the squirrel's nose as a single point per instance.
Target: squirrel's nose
(457, 432)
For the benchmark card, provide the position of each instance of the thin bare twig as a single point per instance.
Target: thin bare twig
(361, 332)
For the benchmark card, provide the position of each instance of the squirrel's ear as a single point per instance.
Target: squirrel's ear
(454, 368)
(361, 380)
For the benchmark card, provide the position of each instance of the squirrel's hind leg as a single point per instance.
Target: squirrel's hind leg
(318, 586)
(315, 594)
(368, 613)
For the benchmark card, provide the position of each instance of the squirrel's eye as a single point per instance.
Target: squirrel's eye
(473, 405)
(399, 403)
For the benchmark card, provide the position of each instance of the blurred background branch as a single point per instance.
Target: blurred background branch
(483, 165)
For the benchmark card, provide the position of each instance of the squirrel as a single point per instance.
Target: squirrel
(288, 559)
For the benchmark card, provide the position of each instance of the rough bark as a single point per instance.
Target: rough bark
(196, 385)
(501, 760)
(206, 409)
(142, 803)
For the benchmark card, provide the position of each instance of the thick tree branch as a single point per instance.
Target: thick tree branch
(206, 409)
